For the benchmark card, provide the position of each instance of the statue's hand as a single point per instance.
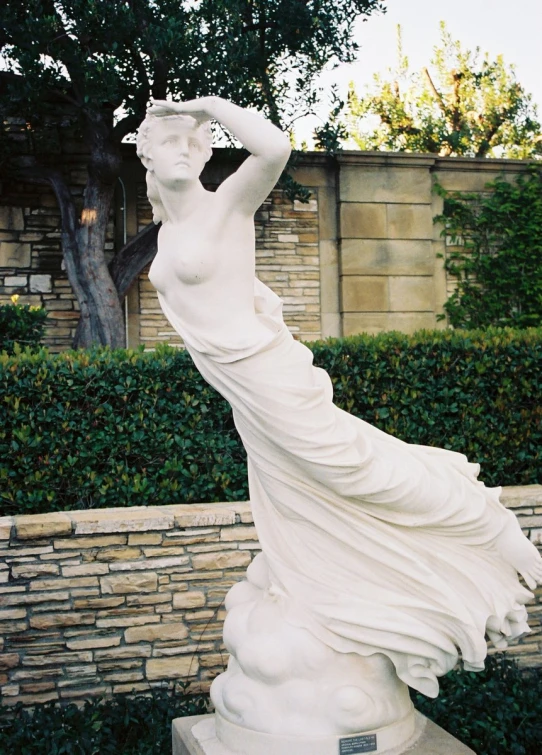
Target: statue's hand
(197, 109)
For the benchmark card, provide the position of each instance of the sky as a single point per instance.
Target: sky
(496, 26)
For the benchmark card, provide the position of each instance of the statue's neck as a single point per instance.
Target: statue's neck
(181, 199)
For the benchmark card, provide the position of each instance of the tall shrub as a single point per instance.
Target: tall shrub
(498, 259)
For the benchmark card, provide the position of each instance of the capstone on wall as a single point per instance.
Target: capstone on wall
(102, 601)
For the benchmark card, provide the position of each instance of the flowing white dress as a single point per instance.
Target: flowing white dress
(381, 545)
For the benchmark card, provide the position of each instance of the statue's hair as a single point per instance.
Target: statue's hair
(143, 148)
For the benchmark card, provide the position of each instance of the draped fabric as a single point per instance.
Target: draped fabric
(379, 545)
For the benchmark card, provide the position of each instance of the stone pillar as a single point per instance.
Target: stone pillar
(389, 269)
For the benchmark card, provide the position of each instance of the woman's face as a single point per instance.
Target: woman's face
(176, 152)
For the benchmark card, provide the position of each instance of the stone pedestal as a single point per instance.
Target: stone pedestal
(196, 735)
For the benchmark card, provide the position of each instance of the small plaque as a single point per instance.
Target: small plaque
(355, 745)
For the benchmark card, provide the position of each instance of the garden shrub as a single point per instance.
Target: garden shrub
(498, 260)
(107, 428)
(20, 324)
(120, 726)
(119, 428)
(497, 711)
(478, 393)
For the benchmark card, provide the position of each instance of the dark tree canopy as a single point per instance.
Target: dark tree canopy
(90, 66)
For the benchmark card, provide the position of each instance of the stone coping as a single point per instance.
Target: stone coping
(367, 157)
(123, 519)
(148, 518)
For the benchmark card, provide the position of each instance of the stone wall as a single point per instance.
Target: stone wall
(31, 262)
(391, 271)
(103, 601)
(97, 602)
(361, 256)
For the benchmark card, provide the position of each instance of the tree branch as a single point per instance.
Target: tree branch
(490, 131)
(266, 83)
(435, 91)
(456, 102)
(160, 79)
(70, 48)
(124, 127)
(128, 263)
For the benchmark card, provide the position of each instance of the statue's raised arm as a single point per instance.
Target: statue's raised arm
(269, 147)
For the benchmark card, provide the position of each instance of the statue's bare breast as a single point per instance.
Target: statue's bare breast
(202, 271)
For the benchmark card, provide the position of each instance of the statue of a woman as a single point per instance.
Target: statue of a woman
(373, 549)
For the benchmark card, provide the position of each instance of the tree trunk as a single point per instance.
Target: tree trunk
(101, 320)
(82, 243)
(99, 290)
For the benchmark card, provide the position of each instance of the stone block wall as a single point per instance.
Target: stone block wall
(102, 601)
(388, 261)
(391, 271)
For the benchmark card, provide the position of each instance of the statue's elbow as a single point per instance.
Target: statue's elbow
(282, 149)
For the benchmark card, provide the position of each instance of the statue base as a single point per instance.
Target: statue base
(196, 735)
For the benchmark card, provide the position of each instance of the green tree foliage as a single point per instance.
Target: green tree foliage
(88, 67)
(497, 257)
(464, 103)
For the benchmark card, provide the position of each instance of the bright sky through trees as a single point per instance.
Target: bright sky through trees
(495, 26)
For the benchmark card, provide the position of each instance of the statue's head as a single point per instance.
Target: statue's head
(173, 148)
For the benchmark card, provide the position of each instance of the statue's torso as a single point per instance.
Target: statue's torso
(204, 272)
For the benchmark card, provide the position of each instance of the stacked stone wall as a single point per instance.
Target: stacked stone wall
(31, 264)
(99, 602)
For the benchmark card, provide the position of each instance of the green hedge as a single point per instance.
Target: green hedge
(20, 324)
(113, 428)
(477, 392)
(122, 428)
(497, 711)
(120, 726)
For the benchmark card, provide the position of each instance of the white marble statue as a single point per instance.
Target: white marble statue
(380, 559)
